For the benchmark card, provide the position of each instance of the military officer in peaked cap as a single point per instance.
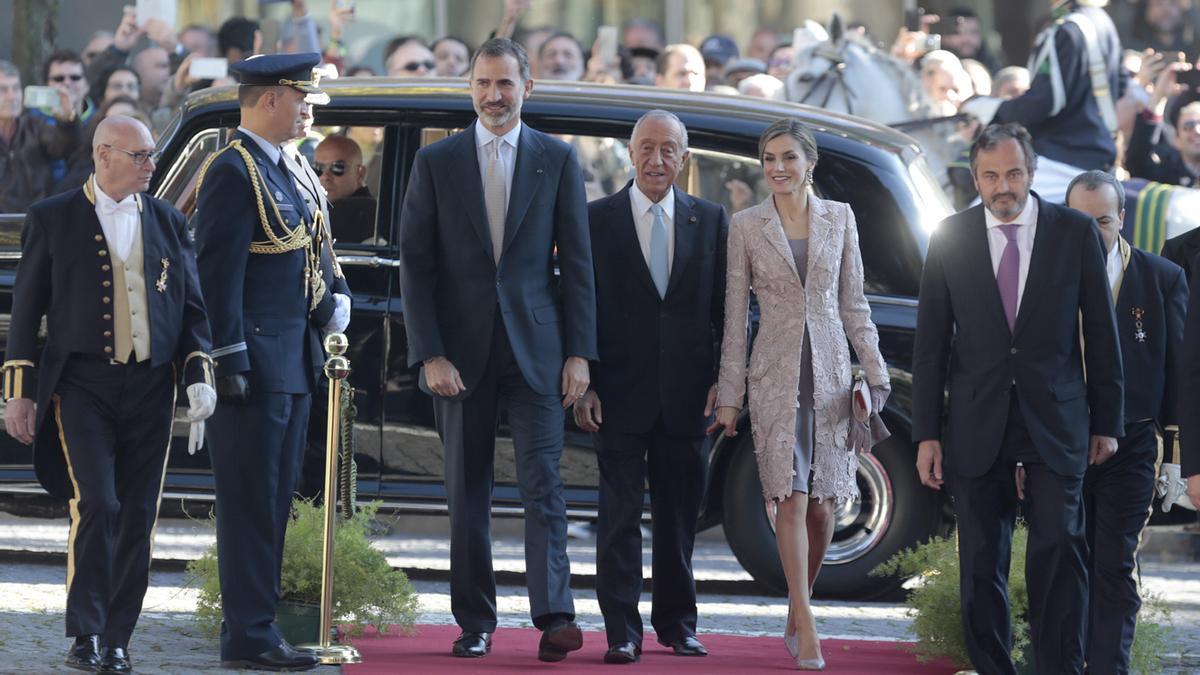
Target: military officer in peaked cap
(267, 277)
(113, 271)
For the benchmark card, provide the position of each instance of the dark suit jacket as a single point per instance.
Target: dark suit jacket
(963, 338)
(451, 285)
(658, 355)
(1183, 250)
(62, 277)
(1189, 384)
(1156, 289)
(258, 305)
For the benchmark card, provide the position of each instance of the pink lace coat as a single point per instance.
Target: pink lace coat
(833, 307)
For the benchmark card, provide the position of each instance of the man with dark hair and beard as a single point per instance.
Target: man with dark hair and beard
(1009, 289)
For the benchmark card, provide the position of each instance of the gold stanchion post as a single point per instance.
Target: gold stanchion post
(337, 368)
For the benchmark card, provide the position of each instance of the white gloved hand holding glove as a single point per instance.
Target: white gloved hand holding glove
(202, 400)
(341, 315)
(1172, 487)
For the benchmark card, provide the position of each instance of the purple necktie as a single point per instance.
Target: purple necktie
(1009, 273)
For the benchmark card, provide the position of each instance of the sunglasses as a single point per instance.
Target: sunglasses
(63, 78)
(414, 66)
(337, 168)
(139, 158)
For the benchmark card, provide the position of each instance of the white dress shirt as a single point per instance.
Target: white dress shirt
(1027, 218)
(643, 221)
(1114, 264)
(508, 154)
(118, 220)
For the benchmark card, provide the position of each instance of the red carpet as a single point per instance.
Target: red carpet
(514, 650)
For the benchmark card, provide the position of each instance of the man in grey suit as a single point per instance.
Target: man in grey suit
(491, 323)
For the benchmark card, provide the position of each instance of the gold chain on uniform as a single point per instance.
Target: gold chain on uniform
(295, 239)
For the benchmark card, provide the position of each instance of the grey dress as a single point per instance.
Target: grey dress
(802, 449)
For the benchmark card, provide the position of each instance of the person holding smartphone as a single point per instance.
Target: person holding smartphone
(30, 142)
(1177, 161)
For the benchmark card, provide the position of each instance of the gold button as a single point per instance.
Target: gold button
(106, 283)
(108, 333)
(105, 268)
(102, 253)
(108, 350)
(106, 299)
(108, 317)
(99, 237)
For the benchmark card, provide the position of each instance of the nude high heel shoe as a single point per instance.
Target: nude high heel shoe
(810, 664)
(792, 642)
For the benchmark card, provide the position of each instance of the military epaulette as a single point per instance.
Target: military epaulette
(18, 374)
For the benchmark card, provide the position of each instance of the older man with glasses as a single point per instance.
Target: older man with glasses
(112, 271)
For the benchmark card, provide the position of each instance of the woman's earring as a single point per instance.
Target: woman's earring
(808, 177)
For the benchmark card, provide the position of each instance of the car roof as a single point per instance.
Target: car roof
(720, 110)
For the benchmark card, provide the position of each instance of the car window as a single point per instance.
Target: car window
(353, 212)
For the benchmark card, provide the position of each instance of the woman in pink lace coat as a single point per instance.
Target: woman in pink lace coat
(800, 256)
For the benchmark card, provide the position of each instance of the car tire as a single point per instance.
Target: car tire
(869, 533)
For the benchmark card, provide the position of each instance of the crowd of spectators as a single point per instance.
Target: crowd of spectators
(144, 70)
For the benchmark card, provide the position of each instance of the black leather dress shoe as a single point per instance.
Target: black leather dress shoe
(687, 646)
(559, 639)
(115, 660)
(280, 658)
(472, 645)
(84, 654)
(626, 652)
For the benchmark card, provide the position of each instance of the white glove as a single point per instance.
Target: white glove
(1171, 487)
(341, 315)
(202, 400)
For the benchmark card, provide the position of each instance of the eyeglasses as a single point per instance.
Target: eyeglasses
(1189, 125)
(139, 158)
(74, 77)
(337, 167)
(414, 66)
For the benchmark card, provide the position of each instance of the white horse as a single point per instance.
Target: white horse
(844, 73)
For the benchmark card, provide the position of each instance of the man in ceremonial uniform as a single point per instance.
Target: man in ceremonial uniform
(1150, 295)
(267, 276)
(113, 272)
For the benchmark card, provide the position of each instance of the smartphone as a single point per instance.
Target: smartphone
(606, 41)
(208, 68)
(912, 19)
(41, 97)
(163, 10)
(1189, 78)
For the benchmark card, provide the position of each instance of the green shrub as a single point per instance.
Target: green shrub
(367, 591)
(934, 604)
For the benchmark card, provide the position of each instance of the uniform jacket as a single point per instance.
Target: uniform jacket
(1189, 392)
(1184, 250)
(263, 322)
(963, 339)
(451, 285)
(66, 275)
(1159, 162)
(658, 355)
(1060, 110)
(835, 311)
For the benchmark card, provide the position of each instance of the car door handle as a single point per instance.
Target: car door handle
(367, 261)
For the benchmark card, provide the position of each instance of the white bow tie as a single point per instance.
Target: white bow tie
(110, 207)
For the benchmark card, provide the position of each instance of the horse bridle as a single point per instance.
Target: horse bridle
(834, 75)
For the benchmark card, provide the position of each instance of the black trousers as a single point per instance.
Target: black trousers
(676, 468)
(1055, 567)
(256, 450)
(1117, 496)
(115, 425)
(467, 428)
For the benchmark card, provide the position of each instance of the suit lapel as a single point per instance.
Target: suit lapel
(820, 235)
(978, 259)
(1045, 250)
(466, 157)
(153, 252)
(625, 239)
(686, 233)
(527, 178)
(283, 188)
(1130, 282)
(773, 231)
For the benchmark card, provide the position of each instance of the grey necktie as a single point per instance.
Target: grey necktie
(493, 197)
(660, 263)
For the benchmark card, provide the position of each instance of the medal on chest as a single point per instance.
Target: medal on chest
(1139, 333)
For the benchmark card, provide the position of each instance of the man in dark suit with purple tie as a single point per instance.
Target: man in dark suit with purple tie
(659, 256)
(1006, 289)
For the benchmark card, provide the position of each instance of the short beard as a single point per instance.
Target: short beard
(498, 119)
(1018, 207)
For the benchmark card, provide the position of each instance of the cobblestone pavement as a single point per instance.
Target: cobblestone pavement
(32, 596)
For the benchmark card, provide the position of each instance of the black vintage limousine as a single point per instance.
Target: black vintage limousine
(879, 172)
